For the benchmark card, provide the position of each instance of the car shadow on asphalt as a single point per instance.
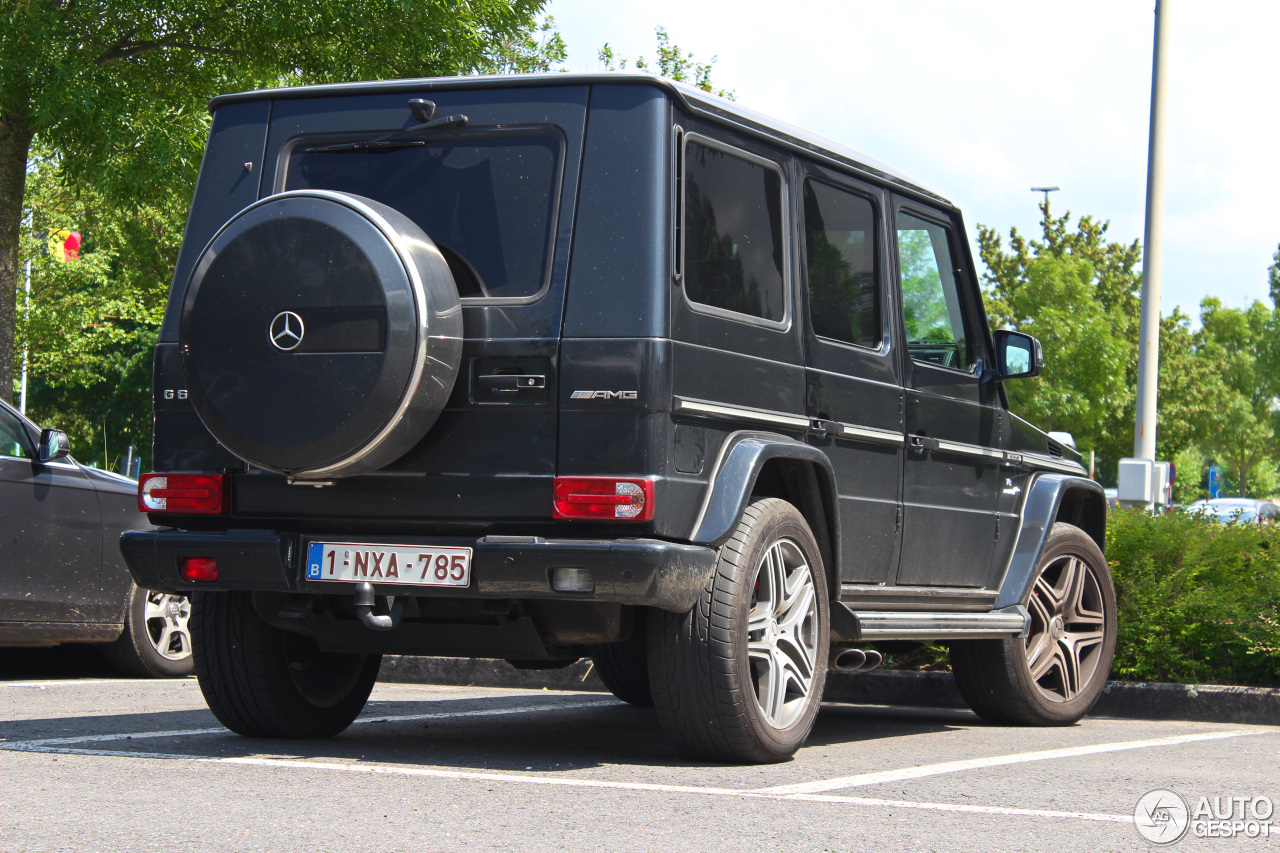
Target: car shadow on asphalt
(546, 732)
(68, 661)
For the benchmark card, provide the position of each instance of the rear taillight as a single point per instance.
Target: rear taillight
(185, 493)
(603, 498)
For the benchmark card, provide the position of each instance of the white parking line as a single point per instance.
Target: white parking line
(87, 682)
(527, 779)
(958, 807)
(994, 761)
(810, 792)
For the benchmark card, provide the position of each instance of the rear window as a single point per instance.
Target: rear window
(487, 200)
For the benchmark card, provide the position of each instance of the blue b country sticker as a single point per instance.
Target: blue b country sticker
(315, 556)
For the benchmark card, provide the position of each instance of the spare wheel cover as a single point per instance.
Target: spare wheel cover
(321, 334)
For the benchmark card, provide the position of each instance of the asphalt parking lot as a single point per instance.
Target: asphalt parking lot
(112, 764)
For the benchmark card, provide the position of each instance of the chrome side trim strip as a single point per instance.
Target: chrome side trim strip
(1007, 623)
(725, 410)
(965, 449)
(977, 451)
(872, 434)
(1066, 466)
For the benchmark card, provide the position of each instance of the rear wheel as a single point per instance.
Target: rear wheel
(624, 667)
(1056, 674)
(264, 682)
(739, 677)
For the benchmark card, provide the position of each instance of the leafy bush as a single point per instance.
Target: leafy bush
(1198, 601)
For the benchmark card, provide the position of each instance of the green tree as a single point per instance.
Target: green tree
(1085, 377)
(672, 63)
(91, 324)
(1240, 432)
(116, 90)
(529, 50)
(1078, 292)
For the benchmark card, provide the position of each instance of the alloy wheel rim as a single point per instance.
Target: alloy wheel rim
(1068, 629)
(782, 633)
(166, 618)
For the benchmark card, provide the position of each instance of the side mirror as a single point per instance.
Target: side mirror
(1017, 355)
(54, 444)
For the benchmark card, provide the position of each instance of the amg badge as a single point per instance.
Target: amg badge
(603, 395)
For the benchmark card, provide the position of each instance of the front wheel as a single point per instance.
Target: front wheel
(739, 677)
(261, 681)
(1056, 674)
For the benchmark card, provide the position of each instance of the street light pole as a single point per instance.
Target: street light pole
(1046, 191)
(26, 310)
(1144, 433)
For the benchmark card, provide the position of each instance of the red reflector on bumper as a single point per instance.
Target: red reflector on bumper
(603, 499)
(186, 493)
(198, 569)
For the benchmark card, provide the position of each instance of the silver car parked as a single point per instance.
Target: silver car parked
(62, 579)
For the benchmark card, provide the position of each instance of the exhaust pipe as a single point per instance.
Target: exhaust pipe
(855, 660)
(376, 621)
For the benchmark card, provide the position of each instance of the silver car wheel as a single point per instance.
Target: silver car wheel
(1067, 629)
(166, 618)
(782, 633)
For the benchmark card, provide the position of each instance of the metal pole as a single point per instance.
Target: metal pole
(26, 309)
(1046, 191)
(1144, 433)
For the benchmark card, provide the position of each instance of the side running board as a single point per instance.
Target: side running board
(1002, 624)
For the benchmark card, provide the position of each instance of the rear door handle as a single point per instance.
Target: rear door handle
(507, 383)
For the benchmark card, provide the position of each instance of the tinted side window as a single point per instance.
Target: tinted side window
(733, 252)
(14, 440)
(931, 305)
(844, 300)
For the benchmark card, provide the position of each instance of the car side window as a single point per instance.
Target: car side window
(844, 299)
(931, 304)
(14, 440)
(734, 256)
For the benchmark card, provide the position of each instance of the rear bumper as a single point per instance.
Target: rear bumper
(649, 572)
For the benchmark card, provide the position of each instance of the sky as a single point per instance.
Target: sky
(982, 100)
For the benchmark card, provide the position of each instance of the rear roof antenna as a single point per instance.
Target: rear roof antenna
(422, 110)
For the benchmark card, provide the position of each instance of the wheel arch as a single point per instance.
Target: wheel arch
(758, 464)
(1051, 498)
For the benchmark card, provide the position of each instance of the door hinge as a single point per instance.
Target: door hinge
(822, 427)
(897, 519)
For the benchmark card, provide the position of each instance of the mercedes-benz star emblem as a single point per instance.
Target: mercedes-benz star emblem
(286, 331)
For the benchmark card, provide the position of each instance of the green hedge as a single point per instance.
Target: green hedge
(1198, 601)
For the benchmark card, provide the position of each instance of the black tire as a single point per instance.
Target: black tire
(706, 684)
(1012, 682)
(624, 667)
(156, 642)
(260, 681)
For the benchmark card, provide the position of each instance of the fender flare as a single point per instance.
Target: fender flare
(742, 457)
(1040, 508)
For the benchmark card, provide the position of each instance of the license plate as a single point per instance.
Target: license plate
(412, 565)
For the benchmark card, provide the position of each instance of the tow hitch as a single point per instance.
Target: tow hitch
(377, 621)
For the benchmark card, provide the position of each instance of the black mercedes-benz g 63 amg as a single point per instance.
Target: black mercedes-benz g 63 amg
(536, 368)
